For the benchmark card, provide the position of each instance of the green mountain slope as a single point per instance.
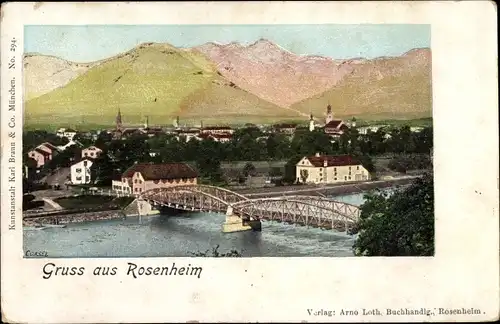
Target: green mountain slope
(155, 80)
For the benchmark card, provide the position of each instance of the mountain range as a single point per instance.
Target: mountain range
(224, 83)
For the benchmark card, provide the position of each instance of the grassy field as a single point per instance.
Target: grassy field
(93, 201)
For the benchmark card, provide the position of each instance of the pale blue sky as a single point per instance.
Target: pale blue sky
(95, 42)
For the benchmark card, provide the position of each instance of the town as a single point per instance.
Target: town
(258, 160)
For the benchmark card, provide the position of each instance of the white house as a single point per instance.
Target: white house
(330, 169)
(69, 144)
(66, 132)
(80, 171)
(92, 152)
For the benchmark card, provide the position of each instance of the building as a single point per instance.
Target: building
(80, 171)
(222, 138)
(335, 128)
(92, 152)
(330, 169)
(40, 156)
(188, 134)
(373, 129)
(217, 130)
(66, 132)
(43, 153)
(311, 123)
(142, 177)
(288, 129)
(69, 144)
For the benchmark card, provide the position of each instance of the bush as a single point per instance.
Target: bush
(409, 162)
(398, 225)
(216, 254)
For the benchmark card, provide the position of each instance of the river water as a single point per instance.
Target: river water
(179, 236)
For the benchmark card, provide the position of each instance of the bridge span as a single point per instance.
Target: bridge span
(243, 213)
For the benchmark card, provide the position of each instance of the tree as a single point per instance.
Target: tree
(304, 174)
(249, 169)
(398, 225)
(290, 169)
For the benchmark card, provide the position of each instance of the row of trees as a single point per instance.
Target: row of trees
(247, 144)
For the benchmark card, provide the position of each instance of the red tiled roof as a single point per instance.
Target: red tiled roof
(339, 160)
(161, 171)
(223, 135)
(41, 151)
(333, 124)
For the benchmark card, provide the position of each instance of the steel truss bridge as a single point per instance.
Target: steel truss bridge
(303, 210)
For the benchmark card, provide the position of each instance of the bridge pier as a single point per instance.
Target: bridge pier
(234, 223)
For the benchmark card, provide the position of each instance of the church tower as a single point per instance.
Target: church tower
(119, 120)
(329, 114)
(311, 123)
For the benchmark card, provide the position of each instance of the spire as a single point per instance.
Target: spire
(311, 123)
(329, 115)
(119, 120)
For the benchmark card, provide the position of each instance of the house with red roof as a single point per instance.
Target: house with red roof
(142, 177)
(43, 153)
(335, 128)
(328, 169)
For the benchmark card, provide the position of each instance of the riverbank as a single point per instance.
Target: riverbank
(68, 218)
(329, 190)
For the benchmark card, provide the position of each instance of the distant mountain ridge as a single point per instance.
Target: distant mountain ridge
(227, 81)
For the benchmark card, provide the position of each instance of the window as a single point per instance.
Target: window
(349, 168)
(78, 170)
(87, 179)
(320, 169)
(349, 178)
(357, 168)
(86, 154)
(92, 154)
(335, 169)
(79, 178)
(135, 181)
(335, 179)
(345, 177)
(135, 189)
(84, 163)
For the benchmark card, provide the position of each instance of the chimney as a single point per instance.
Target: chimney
(325, 163)
(317, 154)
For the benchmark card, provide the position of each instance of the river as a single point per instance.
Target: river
(179, 236)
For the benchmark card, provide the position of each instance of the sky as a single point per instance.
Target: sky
(94, 42)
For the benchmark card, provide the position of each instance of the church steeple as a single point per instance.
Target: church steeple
(311, 123)
(119, 120)
(329, 114)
